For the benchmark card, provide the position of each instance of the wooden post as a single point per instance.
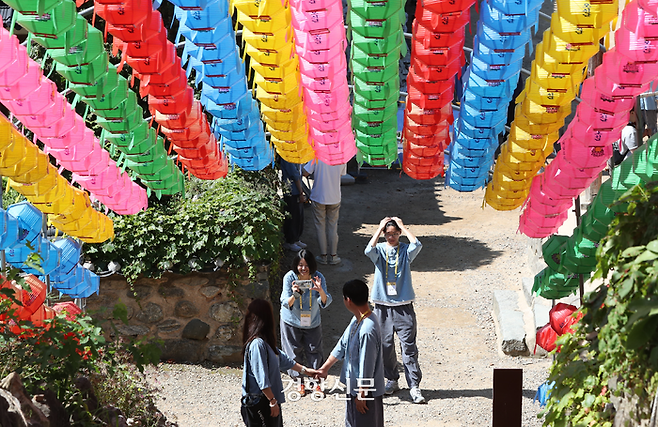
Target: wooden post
(507, 397)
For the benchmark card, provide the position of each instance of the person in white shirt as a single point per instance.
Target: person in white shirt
(325, 199)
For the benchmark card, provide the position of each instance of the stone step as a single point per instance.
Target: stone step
(511, 325)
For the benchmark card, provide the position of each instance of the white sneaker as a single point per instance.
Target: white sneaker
(334, 259)
(292, 247)
(321, 259)
(391, 387)
(416, 395)
(301, 244)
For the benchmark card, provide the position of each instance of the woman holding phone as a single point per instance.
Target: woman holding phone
(304, 293)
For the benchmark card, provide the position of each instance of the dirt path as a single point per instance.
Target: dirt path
(467, 253)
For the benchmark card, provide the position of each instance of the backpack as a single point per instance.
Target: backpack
(617, 156)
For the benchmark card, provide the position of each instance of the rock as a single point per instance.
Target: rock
(132, 330)
(101, 306)
(139, 292)
(196, 330)
(185, 309)
(114, 284)
(182, 350)
(225, 333)
(210, 292)
(191, 280)
(255, 290)
(169, 325)
(113, 416)
(224, 353)
(83, 384)
(225, 312)
(510, 321)
(152, 313)
(58, 416)
(169, 291)
(10, 411)
(14, 385)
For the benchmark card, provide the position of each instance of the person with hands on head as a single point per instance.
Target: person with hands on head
(393, 297)
(301, 301)
(363, 369)
(262, 364)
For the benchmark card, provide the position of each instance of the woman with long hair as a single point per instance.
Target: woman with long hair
(304, 292)
(262, 364)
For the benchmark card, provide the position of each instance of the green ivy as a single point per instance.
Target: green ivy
(613, 353)
(236, 220)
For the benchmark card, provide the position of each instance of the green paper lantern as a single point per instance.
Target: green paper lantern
(372, 128)
(74, 36)
(53, 24)
(553, 250)
(376, 10)
(89, 74)
(368, 60)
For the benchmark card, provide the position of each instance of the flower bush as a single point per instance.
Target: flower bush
(56, 356)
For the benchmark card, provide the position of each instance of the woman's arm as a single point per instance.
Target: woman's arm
(380, 230)
(320, 285)
(288, 290)
(404, 229)
(274, 404)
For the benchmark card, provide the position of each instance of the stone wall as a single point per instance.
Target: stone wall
(197, 317)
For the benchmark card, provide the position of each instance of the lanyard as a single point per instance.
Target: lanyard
(310, 299)
(397, 260)
(356, 325)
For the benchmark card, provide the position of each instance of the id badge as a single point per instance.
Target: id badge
(305, 319)
(391, 288)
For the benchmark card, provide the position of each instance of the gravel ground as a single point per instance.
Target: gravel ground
(468, 252)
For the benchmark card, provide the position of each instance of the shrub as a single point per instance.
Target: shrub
(230, 221)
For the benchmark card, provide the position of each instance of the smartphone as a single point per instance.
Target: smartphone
(304, 285)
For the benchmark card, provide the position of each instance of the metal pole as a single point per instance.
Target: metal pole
(581, 283)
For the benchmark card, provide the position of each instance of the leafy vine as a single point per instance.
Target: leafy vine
(611, 361)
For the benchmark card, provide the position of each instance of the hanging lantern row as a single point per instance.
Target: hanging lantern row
(567, 257)
(139, 32)
(320, 42)
(267, 40)
(81, 49)
(608, 97)
(33, 176)
(377, 43)
(31, 307)
(37, 104)
(22, 224)
(499, 46)
(437, 56)
(211, 50)
(556, 75)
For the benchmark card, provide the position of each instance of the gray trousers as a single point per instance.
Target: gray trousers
(298, 342)
(401, 320)
(374, 416)
(326, 226)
